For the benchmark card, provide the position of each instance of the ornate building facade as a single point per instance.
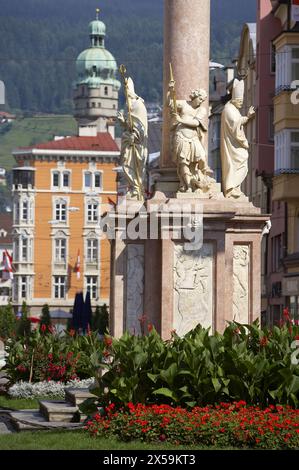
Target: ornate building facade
(60, 190)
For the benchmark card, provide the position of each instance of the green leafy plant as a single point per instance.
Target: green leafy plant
(245, 363)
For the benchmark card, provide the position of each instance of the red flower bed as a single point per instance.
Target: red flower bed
(236, 424)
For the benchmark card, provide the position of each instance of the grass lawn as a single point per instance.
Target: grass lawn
(77, 440)
(20, 403)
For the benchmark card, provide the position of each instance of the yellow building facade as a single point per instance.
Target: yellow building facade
(60, 194)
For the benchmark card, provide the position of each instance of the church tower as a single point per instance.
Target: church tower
(96, 87)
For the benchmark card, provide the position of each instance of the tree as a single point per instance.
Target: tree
(24, 325)
(8, 322)
(100, 321)
(45, 317)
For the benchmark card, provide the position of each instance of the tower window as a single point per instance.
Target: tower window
(106, 90)
(93, 105)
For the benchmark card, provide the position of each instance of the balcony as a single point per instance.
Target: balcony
(285, 187)
(286, 114)
(23, 178)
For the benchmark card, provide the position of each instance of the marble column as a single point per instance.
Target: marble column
(187, 47)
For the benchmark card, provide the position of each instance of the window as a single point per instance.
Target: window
(24, 290)
(92, 286)
(17, 212)
(92, 251)
(59, 287)
(66, 179)
(277, 252)
(60, 250)
(106, 91)
(16, 247)
(97, 180)
(24, 253)
(93, 180)
(55, 179)
(92, 212)
(295, 63)
(60, 212)
(25, 210)
(295, 150)
(87, 179)
(61, 179)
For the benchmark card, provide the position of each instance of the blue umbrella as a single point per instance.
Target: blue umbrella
(87, 312)
(78, 311)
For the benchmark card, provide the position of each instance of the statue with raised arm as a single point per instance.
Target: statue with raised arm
(134, 140)
(234, 145)
(189, 123)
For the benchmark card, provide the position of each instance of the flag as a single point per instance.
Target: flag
(7, 262)
(77, 267)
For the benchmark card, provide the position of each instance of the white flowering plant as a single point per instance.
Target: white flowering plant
(51, 388)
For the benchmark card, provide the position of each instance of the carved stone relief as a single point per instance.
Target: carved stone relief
(193, 288)
(134, 287)
(241, 283)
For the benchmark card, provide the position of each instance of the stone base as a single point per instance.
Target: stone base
(213, 193)
(174, 287)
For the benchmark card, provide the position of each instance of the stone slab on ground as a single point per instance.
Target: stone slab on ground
(4, 428)
(32, 420)
(76, 396)
(59, 410)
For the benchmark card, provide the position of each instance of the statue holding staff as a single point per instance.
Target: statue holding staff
(134, 139)
(189, 126)
(234, 145)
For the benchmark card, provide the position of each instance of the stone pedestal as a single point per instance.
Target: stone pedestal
(177, 289)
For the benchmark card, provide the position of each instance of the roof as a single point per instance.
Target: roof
(5, 228)
(7, 115)
(103, 142)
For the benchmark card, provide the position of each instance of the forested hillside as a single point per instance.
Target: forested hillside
(40, 40)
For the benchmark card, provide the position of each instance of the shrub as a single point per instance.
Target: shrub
(23, 325)
(245, 363)
(224, 425)
(45, 318)
(100, 321)
(45, 389)
(46, 355)
(8, 322)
